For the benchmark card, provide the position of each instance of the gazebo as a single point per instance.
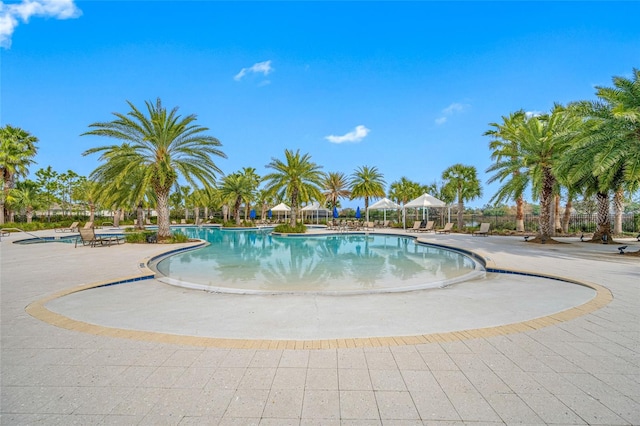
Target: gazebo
(384, 204)
(282, 207)
(423, 202)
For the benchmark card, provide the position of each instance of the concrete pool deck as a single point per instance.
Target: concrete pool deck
(582, 369)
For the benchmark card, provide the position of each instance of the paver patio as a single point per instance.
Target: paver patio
(585, 370)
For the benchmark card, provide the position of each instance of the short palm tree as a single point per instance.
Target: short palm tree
(159, 147)
(17, 149)
(367, 182)
(296, 179)
(25, 196)
(462, 181)
(237, 188)
(335, 187)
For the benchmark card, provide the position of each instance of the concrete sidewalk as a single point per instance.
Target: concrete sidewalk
(582, 371)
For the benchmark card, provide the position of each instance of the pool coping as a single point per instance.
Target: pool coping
(39, 310)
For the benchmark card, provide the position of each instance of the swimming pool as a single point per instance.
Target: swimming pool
(257, 261)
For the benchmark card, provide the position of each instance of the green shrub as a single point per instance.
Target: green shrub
(286, 228)
(178, 237)
(139, 237)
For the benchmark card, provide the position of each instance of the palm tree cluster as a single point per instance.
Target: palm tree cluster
(589, 148)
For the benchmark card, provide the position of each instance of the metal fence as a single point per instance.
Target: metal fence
(577, 222)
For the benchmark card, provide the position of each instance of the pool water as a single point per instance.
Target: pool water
(257, 261)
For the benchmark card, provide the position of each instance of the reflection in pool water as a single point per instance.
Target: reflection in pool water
(257, 261)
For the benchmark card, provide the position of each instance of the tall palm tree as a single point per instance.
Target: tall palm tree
(367, 182)
(462, 181)
(17, 149)
(544, 140)
(335, 187)
(508, 165)
(160, 147)
(236, 187)
(296, 178)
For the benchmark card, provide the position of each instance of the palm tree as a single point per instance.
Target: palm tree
(25, 196)
(296, 179)
(335, 187)
(236, 187)
(463, 181)
(367, 182)
(611, 146)
(405, 190)
(508, 165)
(17, 149)
(253, 179)
(159, 148)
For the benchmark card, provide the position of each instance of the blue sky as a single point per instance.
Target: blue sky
(407, 87)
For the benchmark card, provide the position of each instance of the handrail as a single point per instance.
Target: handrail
(21, 230)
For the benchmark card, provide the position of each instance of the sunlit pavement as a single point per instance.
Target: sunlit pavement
(584, 370)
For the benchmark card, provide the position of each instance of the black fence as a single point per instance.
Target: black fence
(577, 222)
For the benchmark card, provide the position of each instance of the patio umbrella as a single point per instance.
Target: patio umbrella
(358, 212)
(335, 212)
(269, 214)
(252, 214)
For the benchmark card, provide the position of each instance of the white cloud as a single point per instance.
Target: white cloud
(530, 114)
(260, 67)
(11, 14)
(359, 133)
(452, 109)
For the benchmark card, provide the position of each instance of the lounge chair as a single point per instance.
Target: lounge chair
(88, 225)
(484, 230)
(416, 226)
(88, 237)
(428, 227)
(71, 228)
(446, 230)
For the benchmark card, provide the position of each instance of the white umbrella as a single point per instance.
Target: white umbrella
(424, 202)
(384, 204)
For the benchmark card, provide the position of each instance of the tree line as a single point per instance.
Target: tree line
(586, 148)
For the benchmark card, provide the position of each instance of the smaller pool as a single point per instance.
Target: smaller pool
(69, 239)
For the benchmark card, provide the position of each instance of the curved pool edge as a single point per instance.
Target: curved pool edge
(38, 310)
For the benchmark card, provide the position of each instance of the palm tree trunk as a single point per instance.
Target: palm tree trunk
(140, 217)
(546, 198)
(236, 211)
(460, 211)
(29, 214)
(566, 218)
(618, 208)
(603, 232)
(92, 212)
(164, 229)
(116, 217)
(294, 208)
(519, 214)
(557, 225)
(225, 213)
